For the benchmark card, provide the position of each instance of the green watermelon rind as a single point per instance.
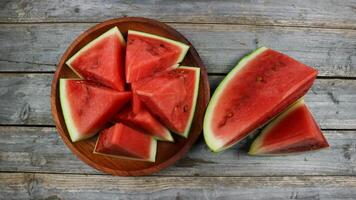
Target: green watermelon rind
(214, 143)
(72, 130)
(181, 45)
(167, 137)
(195, 97)
(114, 30)
(152, 157)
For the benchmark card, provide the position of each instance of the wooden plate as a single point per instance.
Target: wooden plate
(167, 153)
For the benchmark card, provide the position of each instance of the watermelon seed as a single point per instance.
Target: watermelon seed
(229, 114)
(259, 79)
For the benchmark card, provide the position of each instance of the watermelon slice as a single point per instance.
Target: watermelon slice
(102, 60)
(144, 122)
(147, 54)
(171, 97)
(87, 107)
(124, 142)
(294, 131)
(263, 84)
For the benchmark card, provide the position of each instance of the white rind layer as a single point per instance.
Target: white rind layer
(112, 31)
(73, 132)
(168, 136)
(195, 97)
(181, 45)
(213, 142)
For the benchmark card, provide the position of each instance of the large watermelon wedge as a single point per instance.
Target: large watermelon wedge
(102, 60)
(262, 85)
(147, 54)
(144, 122)
(171, 97)
(88, 107)
(124, 142)
(294, 131)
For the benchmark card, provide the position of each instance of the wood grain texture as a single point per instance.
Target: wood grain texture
(38, 47)
(286, 13)
(40, 149)
(25, 100)
(55, 186)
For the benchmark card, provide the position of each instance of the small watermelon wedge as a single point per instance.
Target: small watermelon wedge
(122, 141)
(262, 85)
(102, 60)
(144, 122)
(171, 97)
(147, 54)
(293, 131)
(87, 107)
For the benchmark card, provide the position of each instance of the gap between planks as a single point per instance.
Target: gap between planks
(170, 175)
(188, 23)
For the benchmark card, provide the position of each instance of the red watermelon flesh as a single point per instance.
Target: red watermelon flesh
(124, 142)
(262, 85)
(102, 60)
(147, 54)
(87, 107)
(144, 122)
(171, 97)
(294, 131)
(137, 105)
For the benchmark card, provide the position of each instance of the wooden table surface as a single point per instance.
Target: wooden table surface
(35, 164)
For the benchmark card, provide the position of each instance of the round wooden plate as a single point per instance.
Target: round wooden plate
(167, 153)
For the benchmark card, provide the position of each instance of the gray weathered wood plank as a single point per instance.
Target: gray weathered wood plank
(25, 100)
(38, 47)
(55, 186)
(40, 149)
(286, 13)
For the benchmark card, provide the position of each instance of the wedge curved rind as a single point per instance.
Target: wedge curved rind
(213, 142)
(195, 97)
(72, 130)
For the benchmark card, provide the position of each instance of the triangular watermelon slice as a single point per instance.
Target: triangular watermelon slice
(102, 60)
(87, 107)
(144, 122)
(294, 131)
(124, 142)
(171, 97)
(147, 54)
